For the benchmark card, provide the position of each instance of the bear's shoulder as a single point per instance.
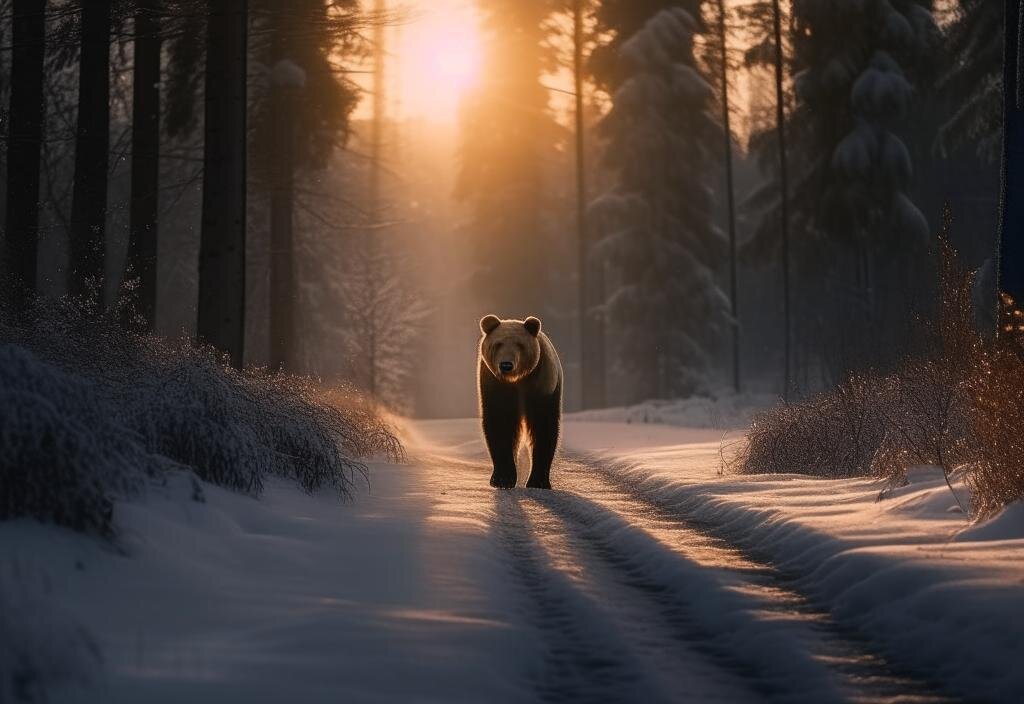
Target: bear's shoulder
(549, 370)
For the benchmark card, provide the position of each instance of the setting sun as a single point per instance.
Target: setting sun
(439, 59)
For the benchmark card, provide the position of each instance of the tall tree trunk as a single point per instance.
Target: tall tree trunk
(92, 145)
(379, 107)
(376, 199)
(780, 120)
(1010, 271)
(221, 314)
(21, 241)
(143, 226)
(730, 194)
(284, 94)
(282, 257)
(592, 358)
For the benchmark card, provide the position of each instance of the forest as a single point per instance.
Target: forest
(756, 266)
(686, 192)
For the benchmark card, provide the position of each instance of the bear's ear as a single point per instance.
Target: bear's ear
(532, 325)
(488, 323)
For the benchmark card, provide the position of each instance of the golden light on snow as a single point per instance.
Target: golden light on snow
(438, 55)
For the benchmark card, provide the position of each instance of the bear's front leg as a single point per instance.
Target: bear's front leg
(542, 419)
(501, 423)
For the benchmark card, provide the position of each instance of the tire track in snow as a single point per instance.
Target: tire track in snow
(600, 642)
(582, 663)
(646, 537)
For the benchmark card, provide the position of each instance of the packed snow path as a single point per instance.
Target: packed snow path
(632, 602)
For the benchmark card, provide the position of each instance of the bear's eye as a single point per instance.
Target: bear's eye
(497, 346)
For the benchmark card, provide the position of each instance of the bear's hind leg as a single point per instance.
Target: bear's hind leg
(542, 420)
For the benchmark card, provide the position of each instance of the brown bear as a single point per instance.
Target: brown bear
(520, 385)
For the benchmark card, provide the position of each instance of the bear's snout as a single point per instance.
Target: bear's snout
(505, 367)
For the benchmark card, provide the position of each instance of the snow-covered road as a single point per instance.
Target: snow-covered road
(620, 585)
(629, 601)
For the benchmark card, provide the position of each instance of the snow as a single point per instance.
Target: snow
(288, 73)
(245, 600)
(645, 572)
(907, 570)
(652, 45)
(726, 411)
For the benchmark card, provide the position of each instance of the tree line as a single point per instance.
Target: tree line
(762, 178)
(859, 121)
(260, 81)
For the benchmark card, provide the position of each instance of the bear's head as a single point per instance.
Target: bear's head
(510, 348)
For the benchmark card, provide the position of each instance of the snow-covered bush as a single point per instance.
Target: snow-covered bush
(871, 424)
(90, 413)
(960, 407)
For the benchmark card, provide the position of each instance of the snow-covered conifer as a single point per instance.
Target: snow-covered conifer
(655, 225)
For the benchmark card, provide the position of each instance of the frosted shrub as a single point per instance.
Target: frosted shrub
(959, 407)
(59, 450)
(997, 426)
(89, 413)
(831, 435)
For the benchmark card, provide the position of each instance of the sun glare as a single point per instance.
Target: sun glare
(439, 57)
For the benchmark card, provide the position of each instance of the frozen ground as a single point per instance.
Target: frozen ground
(644, 576)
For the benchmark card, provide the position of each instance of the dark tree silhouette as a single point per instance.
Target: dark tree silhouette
(286, 80)
(92, 145)
(143, 226)
(730, 193)
(780, 128)
(25, 132)
(222, 242)
(300, 113)
(592, 347)
(1011, 226)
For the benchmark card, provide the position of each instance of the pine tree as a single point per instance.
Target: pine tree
(973, 79)
(855, 229)
(657, 222)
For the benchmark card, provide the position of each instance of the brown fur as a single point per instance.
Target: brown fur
(526, 393)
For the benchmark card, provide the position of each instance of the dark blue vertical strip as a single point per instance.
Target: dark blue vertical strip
(1011, 221)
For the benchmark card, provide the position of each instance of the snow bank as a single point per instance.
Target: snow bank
(722, 413)
(907, 571)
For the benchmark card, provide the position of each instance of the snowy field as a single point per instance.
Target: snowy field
(645, 576)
